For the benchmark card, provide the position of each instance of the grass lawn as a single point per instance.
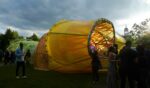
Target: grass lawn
(49, 79)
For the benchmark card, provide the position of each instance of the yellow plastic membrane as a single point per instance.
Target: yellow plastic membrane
(102, 36)
(41, 55)
(66, 45)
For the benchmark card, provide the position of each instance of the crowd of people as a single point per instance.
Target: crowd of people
(131, 66)
(134, 66)
(18, 57)
(7, 57)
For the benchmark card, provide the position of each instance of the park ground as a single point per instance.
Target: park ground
(47, 79)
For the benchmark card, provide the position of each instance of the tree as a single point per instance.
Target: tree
(34, 37)
(15, 35)
(7, 37)
(138, 31)
(1, 39)
(1, 36)
(8, 34)
(145, 39)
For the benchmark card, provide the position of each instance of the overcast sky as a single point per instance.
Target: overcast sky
(28, 16)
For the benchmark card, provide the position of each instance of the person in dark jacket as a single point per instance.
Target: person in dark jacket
(142, 66)
(95, 64)
(27, 57)
(12, 57)
(6, 57)
(1, 55)
(116, 48)
(127, 66)
(147, 54)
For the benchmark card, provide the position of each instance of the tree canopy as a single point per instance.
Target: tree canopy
(7, 37)
(34, 37)
(11, 35)
(139, 32)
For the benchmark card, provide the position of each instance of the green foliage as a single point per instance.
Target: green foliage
(140, 29)
(34, 37)
(27, 45)
(15, 35)
(6, 38)
(145, 39)
(1, 37)
(130, 38)
(136, 35)
(9, 34)
(11, 40)
(4, 42)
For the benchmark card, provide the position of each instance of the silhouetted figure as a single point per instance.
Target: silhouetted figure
(20, 61)
(27, 57)
(116, 48)
(6, 57)
(127, 66)
(12, 57)
(95, 64)
(117, 58)
(148, 63)
(142, 66)
(112, 70)
(1, 55)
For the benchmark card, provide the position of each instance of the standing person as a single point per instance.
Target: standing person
(142, 66)
(12, 56)
(1, 55)
(112, 70)
(6, 57)
(117, 60)
(27, 57)
(148, 62)
(116, 49)
(148, 78)
(95, 64)
(127, 65)
(20, 61)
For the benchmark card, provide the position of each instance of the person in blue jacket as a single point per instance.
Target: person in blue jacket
(20, 62)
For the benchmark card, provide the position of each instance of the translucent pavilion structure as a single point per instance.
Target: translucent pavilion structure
(65, 48)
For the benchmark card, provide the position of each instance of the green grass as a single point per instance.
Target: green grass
(49, 79)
